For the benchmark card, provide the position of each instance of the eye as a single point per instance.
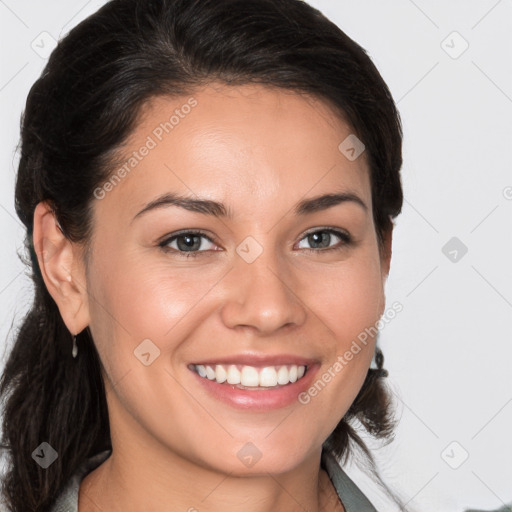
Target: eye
(190, 243)
(187, 243)
(320, 239)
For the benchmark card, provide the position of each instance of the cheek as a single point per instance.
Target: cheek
(134, 303)
(138, 298)
(148, 297)
(349, 308)
(349, 298)
(167, 300)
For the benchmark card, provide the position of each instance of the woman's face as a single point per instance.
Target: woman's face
(267, 284)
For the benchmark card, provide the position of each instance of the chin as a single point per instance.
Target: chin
(257, 458)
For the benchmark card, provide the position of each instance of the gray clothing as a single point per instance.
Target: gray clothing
(505, 508)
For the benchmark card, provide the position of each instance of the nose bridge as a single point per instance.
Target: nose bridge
(262, 291)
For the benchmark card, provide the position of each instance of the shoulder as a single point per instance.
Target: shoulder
(350, 495)
(506, 508)
(67, 500)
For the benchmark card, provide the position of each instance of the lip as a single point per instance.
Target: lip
(258, 400)
(259, 360)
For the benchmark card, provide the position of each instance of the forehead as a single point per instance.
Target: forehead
(248, 146)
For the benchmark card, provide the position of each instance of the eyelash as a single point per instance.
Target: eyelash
(345, 237)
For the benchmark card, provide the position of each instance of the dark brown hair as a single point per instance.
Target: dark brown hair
(85, 104)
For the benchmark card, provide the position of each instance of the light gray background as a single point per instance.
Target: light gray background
(449, 351)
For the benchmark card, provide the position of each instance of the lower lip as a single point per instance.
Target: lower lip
(261, 399)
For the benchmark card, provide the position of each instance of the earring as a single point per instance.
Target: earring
(74, 352)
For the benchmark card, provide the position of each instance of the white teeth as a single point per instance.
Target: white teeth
(233, 375)
(268, 377)
(283, 376)
(249, 376)
(220, 374)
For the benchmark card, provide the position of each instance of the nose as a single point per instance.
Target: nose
(262, 295)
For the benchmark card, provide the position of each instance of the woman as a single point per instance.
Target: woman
(208, 188)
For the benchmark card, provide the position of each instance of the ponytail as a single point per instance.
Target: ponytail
(51, 397)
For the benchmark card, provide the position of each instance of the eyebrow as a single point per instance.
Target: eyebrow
(216, 209)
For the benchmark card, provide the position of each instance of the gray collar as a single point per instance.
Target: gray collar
(349, 494)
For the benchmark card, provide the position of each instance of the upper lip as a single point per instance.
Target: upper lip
(259, 360)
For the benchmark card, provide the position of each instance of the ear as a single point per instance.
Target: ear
(62, 268)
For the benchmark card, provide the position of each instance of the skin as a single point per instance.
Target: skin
(259, 151)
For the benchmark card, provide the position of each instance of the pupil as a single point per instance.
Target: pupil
(322, 235)
(189, 242)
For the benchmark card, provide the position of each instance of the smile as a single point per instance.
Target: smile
(251, 376)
